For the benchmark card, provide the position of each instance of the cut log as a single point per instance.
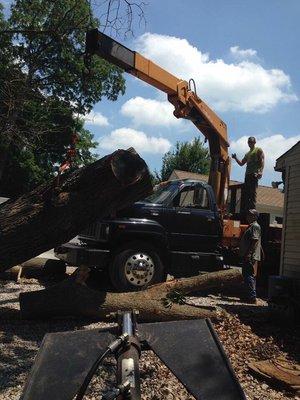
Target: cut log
(278, 371)
(50, 215)
(69, 298)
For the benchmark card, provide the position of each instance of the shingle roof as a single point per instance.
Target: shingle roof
(266, 195)
(192, 175)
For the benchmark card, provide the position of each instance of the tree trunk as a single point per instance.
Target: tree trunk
(49, 215)
(70, 298)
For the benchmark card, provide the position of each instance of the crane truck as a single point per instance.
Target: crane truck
(185, 224)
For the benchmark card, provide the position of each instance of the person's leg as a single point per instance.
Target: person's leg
(249, 280)
(245, 196)
(255, 268)
(252, 190)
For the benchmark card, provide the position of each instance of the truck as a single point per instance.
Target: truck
(184, 224)
(175, 230)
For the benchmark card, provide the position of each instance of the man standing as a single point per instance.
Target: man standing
(249, 252)
(255, 160)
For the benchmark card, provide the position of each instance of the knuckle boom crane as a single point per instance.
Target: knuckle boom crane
(186, 103)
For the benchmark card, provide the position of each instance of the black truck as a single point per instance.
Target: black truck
(176, 230)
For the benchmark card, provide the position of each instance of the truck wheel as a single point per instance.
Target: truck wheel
(136, 266)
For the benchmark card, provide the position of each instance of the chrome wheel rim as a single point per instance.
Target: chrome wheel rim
(139, 269)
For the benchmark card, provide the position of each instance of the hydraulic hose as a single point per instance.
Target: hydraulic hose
(114, 346)
(91, 373)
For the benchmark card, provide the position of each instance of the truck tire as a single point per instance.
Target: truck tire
(136, 266)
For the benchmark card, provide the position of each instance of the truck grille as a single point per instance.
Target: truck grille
(94, 231)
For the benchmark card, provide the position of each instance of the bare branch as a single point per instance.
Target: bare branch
(120, 15)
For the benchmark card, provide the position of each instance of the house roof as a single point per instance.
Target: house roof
(192, 175)
(288, 151)
(266, 195)
(280, 162)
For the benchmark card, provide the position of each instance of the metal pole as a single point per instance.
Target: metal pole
(128, 360)
(127, 323)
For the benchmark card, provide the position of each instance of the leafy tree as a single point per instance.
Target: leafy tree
(53, 58)
(46, 60)
(45, 88)
(187, 156)
(30, 165)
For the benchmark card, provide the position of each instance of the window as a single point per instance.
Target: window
(162, 195)
(201, 198)
(186, 198)
(195, 197)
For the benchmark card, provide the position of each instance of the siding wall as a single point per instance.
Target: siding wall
(290, 254)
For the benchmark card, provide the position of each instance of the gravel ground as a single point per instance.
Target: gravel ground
(247, 334)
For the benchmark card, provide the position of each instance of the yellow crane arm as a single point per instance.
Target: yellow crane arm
(186, 102)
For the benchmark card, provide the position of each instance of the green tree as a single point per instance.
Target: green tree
(53, 58)
(45, 59)
(28, 166)
(45, 88)
(187, 156)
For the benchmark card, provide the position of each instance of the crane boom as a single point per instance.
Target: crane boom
(186, 102)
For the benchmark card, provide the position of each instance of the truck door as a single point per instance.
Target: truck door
(193, 222)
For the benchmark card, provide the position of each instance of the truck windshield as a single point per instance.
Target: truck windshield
(162, 195)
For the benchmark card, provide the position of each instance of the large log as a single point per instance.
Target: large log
(70, 298)
(49, 215)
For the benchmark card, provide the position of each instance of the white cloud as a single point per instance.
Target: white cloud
(240, 53)
(240, 86)
(126, 137)
(273, 146)
(149, 112)
(96, 118)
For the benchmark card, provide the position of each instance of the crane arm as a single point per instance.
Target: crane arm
(186, 102)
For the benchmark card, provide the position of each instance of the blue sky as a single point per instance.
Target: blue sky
(244, 57)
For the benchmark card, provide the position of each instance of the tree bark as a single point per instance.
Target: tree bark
(49, 215)
(70, 298)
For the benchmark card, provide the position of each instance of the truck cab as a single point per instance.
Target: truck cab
(176, 230)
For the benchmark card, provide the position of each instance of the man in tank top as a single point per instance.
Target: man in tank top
(255, 160)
